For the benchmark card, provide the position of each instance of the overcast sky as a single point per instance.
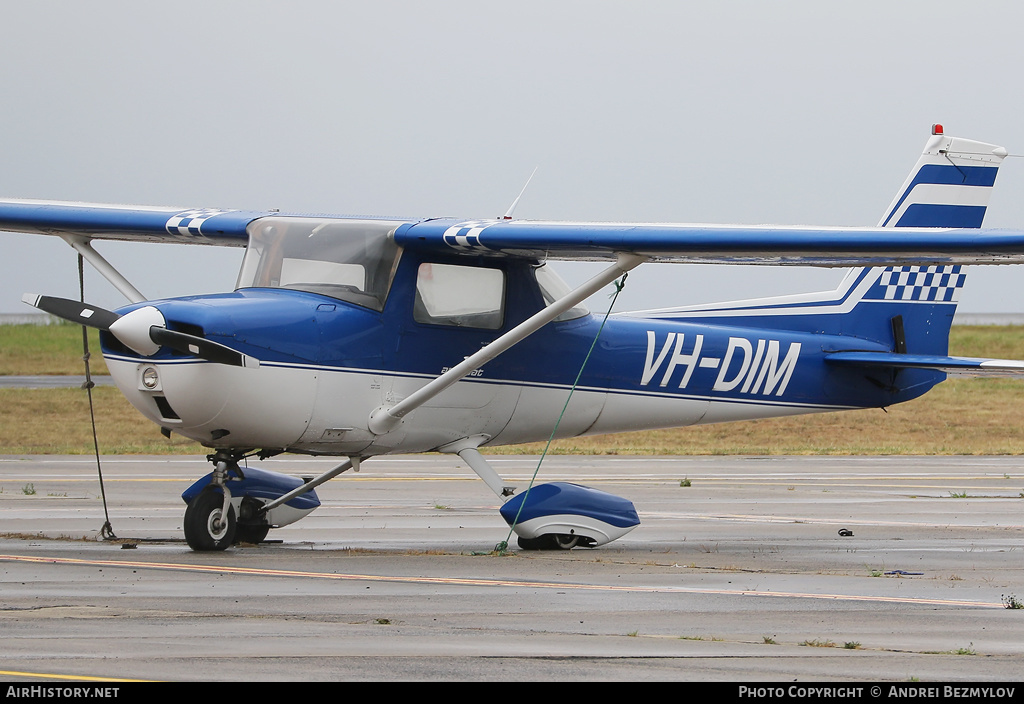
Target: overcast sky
(749, 112)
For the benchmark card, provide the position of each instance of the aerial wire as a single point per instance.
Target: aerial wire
(106, 532)
(511, 208)
(619, 285)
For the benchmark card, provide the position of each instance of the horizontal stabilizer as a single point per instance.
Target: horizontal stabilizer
(962, 366)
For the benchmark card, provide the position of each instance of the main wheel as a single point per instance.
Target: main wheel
(565, 542)
(549, 541)
(204, 527)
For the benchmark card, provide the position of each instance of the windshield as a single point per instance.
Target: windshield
(352, 260)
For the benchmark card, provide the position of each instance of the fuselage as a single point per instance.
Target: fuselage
(327, 363)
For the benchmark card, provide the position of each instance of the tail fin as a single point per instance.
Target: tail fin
(950, 186)
(910, 309)
(913, 306)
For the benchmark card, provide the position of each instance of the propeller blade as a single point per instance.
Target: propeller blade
(73, 311)
(201, 347)
(143, 330)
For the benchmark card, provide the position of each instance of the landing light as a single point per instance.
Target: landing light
(150, 379)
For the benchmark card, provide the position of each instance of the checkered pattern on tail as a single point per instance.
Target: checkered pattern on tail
(940, 284)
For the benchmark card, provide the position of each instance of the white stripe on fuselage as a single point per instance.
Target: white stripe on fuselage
(611, 391)
(842, 300)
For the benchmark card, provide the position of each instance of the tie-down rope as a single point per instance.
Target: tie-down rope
(107, 532)
(619, 285)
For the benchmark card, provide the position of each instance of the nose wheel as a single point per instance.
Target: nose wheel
(206, 527)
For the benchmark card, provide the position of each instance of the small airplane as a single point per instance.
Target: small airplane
(358, 337)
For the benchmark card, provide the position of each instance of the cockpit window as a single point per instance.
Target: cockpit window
(553, 288)
(462, 296)
(352, 260)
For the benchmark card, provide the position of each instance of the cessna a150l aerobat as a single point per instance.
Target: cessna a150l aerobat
(359, 337)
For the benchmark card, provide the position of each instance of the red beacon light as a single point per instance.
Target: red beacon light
(936, 129)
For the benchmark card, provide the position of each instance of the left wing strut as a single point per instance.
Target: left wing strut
(105, 268)
(384, 420)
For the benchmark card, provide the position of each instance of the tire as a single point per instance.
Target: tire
(539, 543)
(254, 534)
(549, 541)
(200, 516)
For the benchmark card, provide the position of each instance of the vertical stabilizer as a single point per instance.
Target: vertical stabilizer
(909, 308)
(912, 307)
(949, 187)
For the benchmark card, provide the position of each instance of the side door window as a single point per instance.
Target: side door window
(460, 296)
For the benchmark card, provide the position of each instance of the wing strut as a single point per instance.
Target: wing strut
(82, 246)
(384, 420)
(350, 463)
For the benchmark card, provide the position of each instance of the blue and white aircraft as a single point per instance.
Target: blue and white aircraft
(359, 337)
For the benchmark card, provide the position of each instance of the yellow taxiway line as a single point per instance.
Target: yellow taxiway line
(477, 582)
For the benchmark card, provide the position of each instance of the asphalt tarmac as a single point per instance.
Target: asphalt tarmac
(736, 573)
(52, 381)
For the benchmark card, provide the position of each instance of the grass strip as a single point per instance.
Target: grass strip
(962, 416)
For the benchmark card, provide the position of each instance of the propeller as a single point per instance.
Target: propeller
(144, 330)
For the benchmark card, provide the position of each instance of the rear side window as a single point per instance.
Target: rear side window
(461, 296)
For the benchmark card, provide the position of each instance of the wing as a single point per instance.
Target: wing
(128, 222)
(946, 195)
(714, 244)
(934, 219)
(718, 244)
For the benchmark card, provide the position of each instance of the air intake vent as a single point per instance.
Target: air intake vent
(166, 412)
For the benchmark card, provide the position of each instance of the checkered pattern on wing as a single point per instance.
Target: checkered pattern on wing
(919, 283)
(189, 222)
(465, 236)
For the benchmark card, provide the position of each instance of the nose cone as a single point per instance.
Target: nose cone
(132, 329)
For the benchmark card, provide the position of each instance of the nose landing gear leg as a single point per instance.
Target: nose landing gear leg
(210, 522)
